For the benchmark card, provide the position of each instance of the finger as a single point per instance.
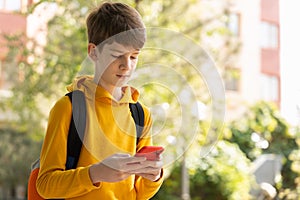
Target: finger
(160, 157)
(148, 170)
(144, 167)
(153, 164)
(122, 155)
(149, 176)
(131, 160)
(136, 166)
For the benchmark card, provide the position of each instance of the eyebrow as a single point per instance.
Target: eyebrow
(118, 51)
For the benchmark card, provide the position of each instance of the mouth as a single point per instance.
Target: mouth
(122, 76)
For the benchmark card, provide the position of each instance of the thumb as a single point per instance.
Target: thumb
(122, 155)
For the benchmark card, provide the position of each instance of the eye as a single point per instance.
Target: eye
(134, 56)
(115, 56)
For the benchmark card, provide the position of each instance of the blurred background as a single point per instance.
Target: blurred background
(253, 152)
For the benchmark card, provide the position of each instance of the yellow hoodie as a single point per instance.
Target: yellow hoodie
(109, 129)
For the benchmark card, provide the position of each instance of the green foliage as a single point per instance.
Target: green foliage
(171, 188)
(16, 151)
(222, 174)
(264, 120)
(45, 69)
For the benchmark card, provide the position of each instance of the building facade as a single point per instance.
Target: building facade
(12, 24)
(257, 70)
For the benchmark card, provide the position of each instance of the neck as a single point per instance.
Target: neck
(116, 92)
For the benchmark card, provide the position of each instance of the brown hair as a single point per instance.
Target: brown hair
(111, 19)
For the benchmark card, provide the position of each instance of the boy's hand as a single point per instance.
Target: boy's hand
(152, 170)
(115, 168)
(120, 166)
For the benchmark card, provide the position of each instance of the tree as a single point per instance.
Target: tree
(264, 121)
(224, 174)
(17, 150)
(47, 68)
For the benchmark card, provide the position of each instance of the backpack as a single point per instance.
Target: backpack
(76, 131)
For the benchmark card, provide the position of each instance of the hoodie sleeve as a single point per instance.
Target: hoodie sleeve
(53, 180)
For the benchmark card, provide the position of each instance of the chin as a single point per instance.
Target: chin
(121, 84)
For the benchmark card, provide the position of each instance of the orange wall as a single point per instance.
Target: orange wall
(270, 10)
(270, 63)
(10, 23)
(270, 59)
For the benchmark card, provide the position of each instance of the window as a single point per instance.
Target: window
(269, 89)
(269, 35)
(232, 79)
(10, 5)
(234, 23)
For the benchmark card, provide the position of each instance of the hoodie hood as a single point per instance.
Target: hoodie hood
(93, 91)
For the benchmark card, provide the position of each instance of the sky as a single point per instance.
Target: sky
(290, 60)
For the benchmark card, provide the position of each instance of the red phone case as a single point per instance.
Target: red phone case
(150, 152)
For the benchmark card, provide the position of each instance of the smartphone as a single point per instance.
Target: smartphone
(150, 152)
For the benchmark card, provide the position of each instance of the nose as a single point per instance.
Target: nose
(125, 63)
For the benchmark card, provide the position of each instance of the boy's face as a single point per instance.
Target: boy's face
(116, 64)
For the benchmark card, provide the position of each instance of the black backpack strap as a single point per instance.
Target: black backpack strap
(137, 113)
(76, 129)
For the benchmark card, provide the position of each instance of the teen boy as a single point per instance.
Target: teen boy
(106, 168)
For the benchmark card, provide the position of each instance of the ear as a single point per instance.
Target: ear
(92, 51)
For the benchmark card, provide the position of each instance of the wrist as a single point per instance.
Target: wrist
(94, 175)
